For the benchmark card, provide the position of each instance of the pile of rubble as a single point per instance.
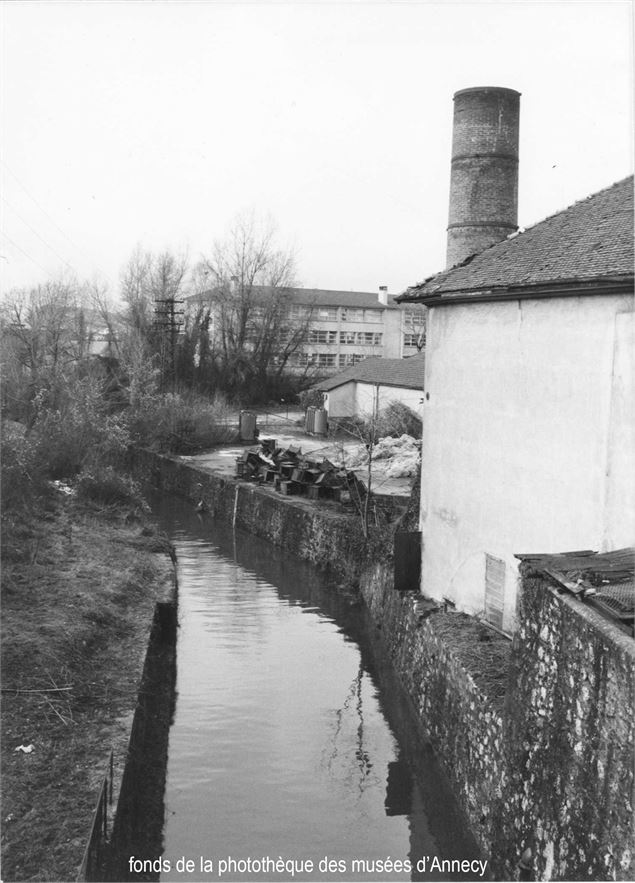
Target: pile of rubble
(291, 473)
(392, 457)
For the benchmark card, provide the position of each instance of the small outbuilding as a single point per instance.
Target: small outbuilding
(369, 386)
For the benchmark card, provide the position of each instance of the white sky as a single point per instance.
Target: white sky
(157, 122)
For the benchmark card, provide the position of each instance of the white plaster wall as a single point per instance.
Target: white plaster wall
(517, 438)
(340, 402)
(392, 334)
(370, 398)
(412, 398)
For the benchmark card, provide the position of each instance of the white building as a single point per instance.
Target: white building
(369, 386)
(529, 436)
(344, 327)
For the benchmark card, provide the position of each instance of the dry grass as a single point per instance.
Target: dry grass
(78, 591)
(482, 651)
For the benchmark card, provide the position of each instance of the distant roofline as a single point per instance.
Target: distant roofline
(322, 296)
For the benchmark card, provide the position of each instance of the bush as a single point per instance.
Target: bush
(22, 469)
(179, 424)
(397, 419)
(102, 484)
(311, 398)
(78, 431)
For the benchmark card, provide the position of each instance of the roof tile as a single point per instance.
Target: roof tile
(592, 239)
(406, 372)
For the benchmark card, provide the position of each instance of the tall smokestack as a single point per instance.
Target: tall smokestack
(484, 178)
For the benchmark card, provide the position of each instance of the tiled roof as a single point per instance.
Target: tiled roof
(591, 241)
(319, 297)
(406, 372)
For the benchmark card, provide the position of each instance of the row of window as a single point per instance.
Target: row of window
(347, 338)
(326, 360)
(414, 340)
(330, 314)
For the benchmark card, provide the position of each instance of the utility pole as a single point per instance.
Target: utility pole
(168, 319)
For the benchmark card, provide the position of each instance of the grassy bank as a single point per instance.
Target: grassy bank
(79, 585)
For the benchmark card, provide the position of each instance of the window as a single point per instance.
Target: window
(323, 360)
(297, 311)
(349, 359)
(299, 359)
(361, 338)
(494, 590)
(413, 340)
(326, 314)
(359, 315)
(319, 335)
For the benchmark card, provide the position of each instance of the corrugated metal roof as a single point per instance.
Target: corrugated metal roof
(591, 241)
(606, 579)
(407, 373)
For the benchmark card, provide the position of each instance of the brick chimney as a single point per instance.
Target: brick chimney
(484, 176)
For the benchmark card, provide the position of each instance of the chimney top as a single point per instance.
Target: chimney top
(383, 294)
(484, 170)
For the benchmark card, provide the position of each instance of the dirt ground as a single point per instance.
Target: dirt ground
(79, 587)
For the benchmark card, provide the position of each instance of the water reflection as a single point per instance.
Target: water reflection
(283, 743)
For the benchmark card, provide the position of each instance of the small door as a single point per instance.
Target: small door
(408, 561)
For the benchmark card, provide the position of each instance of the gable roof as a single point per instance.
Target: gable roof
(406, 373)
(316, 297)
(587, 246)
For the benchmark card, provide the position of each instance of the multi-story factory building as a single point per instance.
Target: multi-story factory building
(344, 327)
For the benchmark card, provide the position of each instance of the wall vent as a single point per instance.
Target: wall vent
(494, 590)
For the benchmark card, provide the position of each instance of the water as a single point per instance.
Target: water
(283, 748)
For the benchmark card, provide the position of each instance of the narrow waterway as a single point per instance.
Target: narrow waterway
(286, 759)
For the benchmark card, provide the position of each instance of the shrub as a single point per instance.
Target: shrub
(22, 469)
(102, 484)
(311, 398)
(179, 424)
(78, 432)
(397, 419)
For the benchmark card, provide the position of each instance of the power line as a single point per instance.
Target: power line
(52, 220)
(26, 254)
(41, 238)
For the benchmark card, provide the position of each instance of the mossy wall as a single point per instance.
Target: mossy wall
(452, 713)
(569, 737)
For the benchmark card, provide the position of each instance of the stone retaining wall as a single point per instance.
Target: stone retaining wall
(569, 737)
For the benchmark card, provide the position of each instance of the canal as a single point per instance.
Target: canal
(291, 753)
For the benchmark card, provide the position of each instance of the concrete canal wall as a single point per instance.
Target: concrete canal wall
(549, 766)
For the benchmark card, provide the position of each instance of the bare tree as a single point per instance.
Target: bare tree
(249, 284)
(152, 286)
(46, 333)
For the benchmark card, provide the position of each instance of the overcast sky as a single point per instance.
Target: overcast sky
(156, 122)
